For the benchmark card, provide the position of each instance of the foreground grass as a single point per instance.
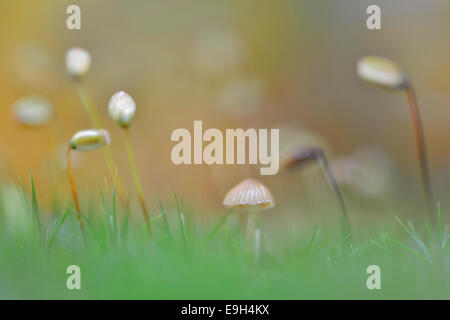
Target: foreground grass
(119, 260)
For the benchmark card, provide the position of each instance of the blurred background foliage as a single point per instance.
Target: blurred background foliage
(286, 64)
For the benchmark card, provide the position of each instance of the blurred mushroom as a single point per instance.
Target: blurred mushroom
(303, 156)
(368, 170)
(217, 50)
(293, 137)
(241, 95)
(253, 196)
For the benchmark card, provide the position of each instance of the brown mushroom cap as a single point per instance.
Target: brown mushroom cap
(249, 193)
(300, 156)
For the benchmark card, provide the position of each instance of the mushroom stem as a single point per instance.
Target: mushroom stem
(136, 179)
(345, 223)
(250, 236)
(94, 117)
(421, 149)
(257, 244)
(74, 191)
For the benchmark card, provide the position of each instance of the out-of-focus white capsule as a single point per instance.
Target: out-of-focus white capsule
(381, 72)
(217, 50)
(242, 95)
(33, 111)
(90, 139)
(369, 171)
(121, 108)
(78, 62)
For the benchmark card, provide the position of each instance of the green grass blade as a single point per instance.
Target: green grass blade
(413, 236)
(376, 244)
(109, 214)
(124, 227)
(439, 225)
(153, 220)
(312, 241)
(181, 220)
(23, 195)
(166, 223)
(35, 207)
(218, 226)
(402, 245)
(57, 228)
(113, 209)
(445, 243)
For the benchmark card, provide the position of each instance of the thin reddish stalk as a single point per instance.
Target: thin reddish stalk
(303, 156)
(74, 191)
(95, 119)
(345, 221)
(421, 148)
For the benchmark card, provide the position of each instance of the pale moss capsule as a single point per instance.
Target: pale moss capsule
(88, 140)
(78, 62)
(121, 108)
(381, 72)
(33, 111)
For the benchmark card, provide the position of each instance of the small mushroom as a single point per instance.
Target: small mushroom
(252, 195)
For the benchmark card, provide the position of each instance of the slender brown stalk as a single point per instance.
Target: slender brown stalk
(136, 179)
(74, 191)
(305, 155)
(345, 223)
(94, 117)
(421, 148)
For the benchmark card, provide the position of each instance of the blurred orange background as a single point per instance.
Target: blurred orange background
(255, 63)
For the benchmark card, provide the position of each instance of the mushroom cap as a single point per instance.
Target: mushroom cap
(300, 157)
(242, 95)
(381, 72)
(249, 193)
